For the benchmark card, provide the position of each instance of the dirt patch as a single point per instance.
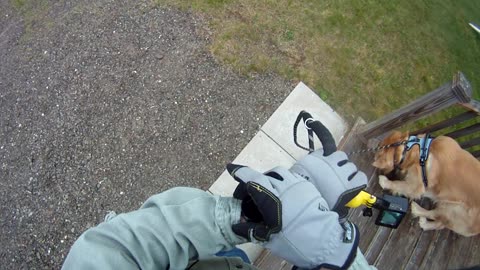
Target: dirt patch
(112, 102)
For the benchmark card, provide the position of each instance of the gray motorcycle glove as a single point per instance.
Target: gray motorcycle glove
(337, 179)
(287, 214)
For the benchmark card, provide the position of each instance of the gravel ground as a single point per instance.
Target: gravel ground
(104, 104)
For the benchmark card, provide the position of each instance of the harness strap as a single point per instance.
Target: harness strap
(424, 156)
(424, 145)
(306, 117)
(317, 128)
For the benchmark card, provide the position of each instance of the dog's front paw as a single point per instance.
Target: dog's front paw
(416, 209)
(422, 222)
(383, 181)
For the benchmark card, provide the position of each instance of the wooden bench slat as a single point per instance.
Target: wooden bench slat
(377, 244)
(476, 154)
(420, 250)
(268, 261)
(458, 247)
(391, 256)
(436, 252)
(473, 256)
(470, 143)
(464, 131)
(473, 105)
(447, 123)
(458, 91)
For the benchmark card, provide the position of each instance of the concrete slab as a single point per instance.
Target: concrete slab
(261, 154)
(279, 127)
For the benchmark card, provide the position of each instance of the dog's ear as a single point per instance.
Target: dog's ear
(405, 135)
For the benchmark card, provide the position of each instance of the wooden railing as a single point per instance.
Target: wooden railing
(457, 92)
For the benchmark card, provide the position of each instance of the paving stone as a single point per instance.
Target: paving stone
(261, 154)
(279, 126)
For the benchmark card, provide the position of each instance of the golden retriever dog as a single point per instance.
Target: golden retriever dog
(453, 182)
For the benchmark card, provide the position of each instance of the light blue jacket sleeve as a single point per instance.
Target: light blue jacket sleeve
(168, 231)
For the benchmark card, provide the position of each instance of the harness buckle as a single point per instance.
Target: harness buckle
(422, 161)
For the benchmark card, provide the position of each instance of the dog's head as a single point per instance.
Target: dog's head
(386, 159)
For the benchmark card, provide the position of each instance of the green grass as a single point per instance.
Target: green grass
(366, 58)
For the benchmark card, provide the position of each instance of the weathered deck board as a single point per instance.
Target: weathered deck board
(267, 261)
(457, 249)
(437, 258)
(420, 250)
(407, 247)
(399, 245)
(474, 249)
(374, 249)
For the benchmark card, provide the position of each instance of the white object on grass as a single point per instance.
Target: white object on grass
(476, 27)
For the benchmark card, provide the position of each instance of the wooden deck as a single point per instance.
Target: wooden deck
(408, 246)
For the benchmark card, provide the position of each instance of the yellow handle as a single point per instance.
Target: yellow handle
(363, 198)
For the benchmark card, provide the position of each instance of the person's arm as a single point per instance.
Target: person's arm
(170, 229)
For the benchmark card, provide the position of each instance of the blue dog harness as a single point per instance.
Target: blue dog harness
(424, 145)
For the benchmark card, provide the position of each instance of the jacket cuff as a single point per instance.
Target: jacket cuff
(227, 212)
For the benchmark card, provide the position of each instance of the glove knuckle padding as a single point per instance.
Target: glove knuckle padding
(246, 175)
(286, 178)
(312, 167)
(337, 156)
(346, 170)
(317, 153)
(331, 180)
(309, 236)
(359, 179)
(297, 198)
